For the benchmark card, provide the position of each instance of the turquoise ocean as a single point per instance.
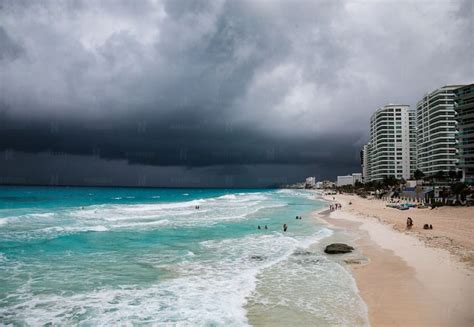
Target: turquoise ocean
(148, 256)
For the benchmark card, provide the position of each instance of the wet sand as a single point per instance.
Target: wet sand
(406, 282)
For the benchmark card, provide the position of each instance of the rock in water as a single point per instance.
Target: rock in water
(337, 248)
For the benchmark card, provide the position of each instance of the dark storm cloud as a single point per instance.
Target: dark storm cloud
(9, 49)
(228, 83)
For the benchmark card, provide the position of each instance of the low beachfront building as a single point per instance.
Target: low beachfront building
(436, 131)
(357, 177)
(344, 180)
(310, 182)
(328, 184)
(392, 147)
(464, 108)
(349, 179)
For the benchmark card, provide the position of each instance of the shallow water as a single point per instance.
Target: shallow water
(96, 256)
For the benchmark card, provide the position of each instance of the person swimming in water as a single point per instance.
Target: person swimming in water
(266, 227)
(258, 227)
(285, 227)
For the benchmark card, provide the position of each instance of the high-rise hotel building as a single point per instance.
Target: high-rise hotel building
(364, 161)
(436, 130)
(392, 148)
(464, 108)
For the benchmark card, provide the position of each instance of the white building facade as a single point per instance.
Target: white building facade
(392, 147)
(349, 179)
(436, 129)
(357, 177)
(464, 106)
(344, 180)
(310, 181)
(364, 161)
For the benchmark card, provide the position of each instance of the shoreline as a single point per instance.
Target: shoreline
(405, 281)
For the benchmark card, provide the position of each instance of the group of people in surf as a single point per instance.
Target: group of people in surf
(335, 206)
(285, 226)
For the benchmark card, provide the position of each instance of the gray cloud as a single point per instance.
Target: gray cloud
(230, 83)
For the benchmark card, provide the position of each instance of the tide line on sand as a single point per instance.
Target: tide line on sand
(406, 281)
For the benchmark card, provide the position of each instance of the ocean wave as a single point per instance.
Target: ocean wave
(199, 282)
(141, 224)
(41, 215)
(228, 197)
(73, 229)
(202, 293)
(292, 283)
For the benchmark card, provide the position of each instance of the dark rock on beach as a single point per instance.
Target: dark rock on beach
(337, 248)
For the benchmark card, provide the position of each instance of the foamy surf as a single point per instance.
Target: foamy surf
(166, 262)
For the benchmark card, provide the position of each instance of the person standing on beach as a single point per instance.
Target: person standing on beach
(409, 223)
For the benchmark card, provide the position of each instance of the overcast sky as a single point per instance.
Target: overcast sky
(212, 93)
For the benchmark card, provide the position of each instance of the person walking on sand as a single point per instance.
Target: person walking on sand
(409, 223)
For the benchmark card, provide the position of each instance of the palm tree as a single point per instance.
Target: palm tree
(418, 174)
(452, 175)
(460, 190)
(440, 175)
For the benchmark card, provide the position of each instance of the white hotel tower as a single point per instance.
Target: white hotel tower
(392, 147)
(436, 128)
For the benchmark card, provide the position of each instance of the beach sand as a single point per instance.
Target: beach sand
(415, 278)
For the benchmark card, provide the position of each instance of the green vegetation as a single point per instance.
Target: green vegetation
(439, 189)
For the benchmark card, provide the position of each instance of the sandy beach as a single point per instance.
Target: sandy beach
(417, 277)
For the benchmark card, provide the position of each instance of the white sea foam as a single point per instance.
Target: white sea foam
(209, 285)
(73, 229)
(142, 224)
(202, 293)
(228, 197)
(41, 215)
(212, 210)
(107, 217)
